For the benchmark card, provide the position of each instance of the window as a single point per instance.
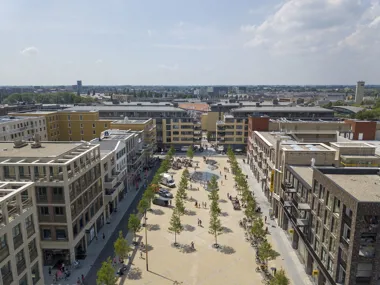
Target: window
(60, 234)
(336, 206)
(81, 117)
(321, 192)
(93, 125)
(3, 241)
(69, 125)
(58, 211)
(58, 191)
(16, 231)
(46, 234)
(68, 117)
(44, 211)
(106, 125)
(94, 132)
(29, 221)
(81, 125)
(81, 132)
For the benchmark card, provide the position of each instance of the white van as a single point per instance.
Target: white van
(167, 180)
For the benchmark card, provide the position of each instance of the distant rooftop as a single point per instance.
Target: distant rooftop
(282, 109)
(108, 103)
(354, 144)
(37, 112)
(7, 119)
(121, 108)
(131, 121)
(307, 147)
(304, 172)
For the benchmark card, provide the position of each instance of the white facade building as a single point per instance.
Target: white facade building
(22, 128)
(20, 253)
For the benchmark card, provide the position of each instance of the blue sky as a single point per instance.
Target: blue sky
(177, 42)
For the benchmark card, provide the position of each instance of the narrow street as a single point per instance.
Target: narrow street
(293, 267)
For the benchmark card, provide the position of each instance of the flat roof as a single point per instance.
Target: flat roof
(363, 187)
(10, 188)
(131, 121)
(47, 150)
(305, 172)
(7, 119)
(108, 103)
(351, 109)
(121, 108)
(34, 112)
(306, 147)
(355, 144)
(283, 109)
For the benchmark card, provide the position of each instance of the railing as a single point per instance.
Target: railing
(33, 254)
(58, 198)
(7, 278)
(17, 241)
(13, 213)
(27, 204)
(21, 265)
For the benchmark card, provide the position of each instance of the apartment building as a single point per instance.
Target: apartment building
(356, 154)
(232, 132)
(69, 193)
(22, 128)
(123, 162)
(20, 253)
(332, 220)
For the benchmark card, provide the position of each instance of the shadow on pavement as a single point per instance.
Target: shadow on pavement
(155, 227)
(224, 214)
(160, 275)
(157, 212)
(190, 212)
(222, 201)
(226, 249)
(188, 228)
(227, 230)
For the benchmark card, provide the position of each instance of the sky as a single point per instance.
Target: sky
(197, 42)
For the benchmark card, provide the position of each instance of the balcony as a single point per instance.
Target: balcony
(44, 218)
(288, 188)
(30, 230)
(111, 194)
(56, 177)
(58, 199)
(302, 206)
(17, 241)
(27, 204)
(21, 266)
(302, 222)
(110, 182)
(59, 219)
(4, 253)
(367, 251)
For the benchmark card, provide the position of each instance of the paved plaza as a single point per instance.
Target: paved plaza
(233, 263)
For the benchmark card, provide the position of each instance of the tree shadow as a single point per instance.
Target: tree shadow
(224, 214)
(157, 212)
(222, 201)
(187, 249)
(155, 227)
(188, 228)
(148, 248)
(190, 212)
(227, 230)
(226, 249)
(191, 199)
(134, 274)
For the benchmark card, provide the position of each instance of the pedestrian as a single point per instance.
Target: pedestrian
(205, 205)
(265, 219)
(104, 236)
(96, 238)
(63, 267)
(78, 281)
(49, 271)
(196, 204)
(141, 254)
(225, 177)
(170, 202)
(192, 245)
(82, 279)
(198, 221)
(274, 271)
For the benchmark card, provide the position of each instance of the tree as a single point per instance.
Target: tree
(106, 274)
(250, 210)
(143, 205)
(179, 205)
(215, 227)
(257, 229)
(213, 184)
(134, 224)
(266, 252)
(190, 153)
(280, 278)
(186, 173)
(175, 225)
(121, 246)
(171, 152)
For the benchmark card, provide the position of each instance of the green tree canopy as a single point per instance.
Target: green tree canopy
(179, 205)
(215, 227)
(121, 246)
(190, 153)
(266, 252)
(134, 224)
(258, 230)
(175, 225)
(280, 278)
(106, 274)
(47, 98)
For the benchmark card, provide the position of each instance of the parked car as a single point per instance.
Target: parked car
(165, 193)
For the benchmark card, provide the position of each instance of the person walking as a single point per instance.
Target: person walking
(265, 219)
(225, 176)
(104, 236)
(82, 279)
(78, 281)
(141, 254)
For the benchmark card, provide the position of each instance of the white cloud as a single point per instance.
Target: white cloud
(308, 26)
(99, 61)
(189, 47)
(169, 67)
(29, 51)
(150, 33)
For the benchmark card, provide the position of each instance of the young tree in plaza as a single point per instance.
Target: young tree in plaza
(215, 227)
(175, 225)
(134, 224)
(171, 152)
(179, 205)
(186, 173)
(266, 252)
(106, 274)
(121, 246)
(250, 210)
(258, 230)
(213, 184)
(280, 278)
(190, 153)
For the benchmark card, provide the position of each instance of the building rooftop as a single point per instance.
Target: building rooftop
(363, 187)
(350, 109)
(201, 107)
(354, 144)
(7, 119)
(304, 172)
(108, 103)
(37, 112)
(121, 108)
(47, 149)
(282, 109)
(306, 147)
(9, 189)
(131, 121)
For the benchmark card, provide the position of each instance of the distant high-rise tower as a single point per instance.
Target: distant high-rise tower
(359, 94)
(79, 87)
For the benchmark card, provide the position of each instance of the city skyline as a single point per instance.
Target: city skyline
(275, 42)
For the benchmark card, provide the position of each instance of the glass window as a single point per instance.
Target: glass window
(46, 234)
(16, 231)
(44, 211)
(58, 211)
(3, 241)
(60, 234)
(29, 221)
